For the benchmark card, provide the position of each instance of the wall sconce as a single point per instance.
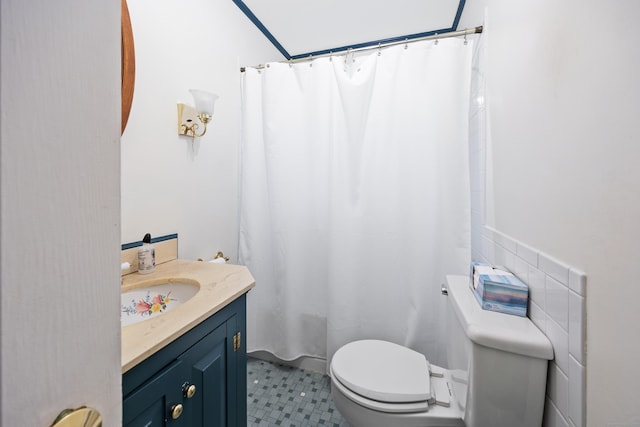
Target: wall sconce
(203, 111)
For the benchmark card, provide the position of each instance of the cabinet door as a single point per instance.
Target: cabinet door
(236, 374)
(209, 360)
(152, 404)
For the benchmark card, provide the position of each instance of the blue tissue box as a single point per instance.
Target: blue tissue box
(499, 290)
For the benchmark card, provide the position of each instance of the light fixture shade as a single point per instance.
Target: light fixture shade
(205, 101)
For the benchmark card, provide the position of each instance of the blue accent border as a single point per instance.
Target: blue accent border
(245, 9)
(372, 43)
(456, 20)
(130, 245)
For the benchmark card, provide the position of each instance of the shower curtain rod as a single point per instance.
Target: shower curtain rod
(465, 32)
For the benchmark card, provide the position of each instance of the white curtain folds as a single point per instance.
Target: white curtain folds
(354, 200)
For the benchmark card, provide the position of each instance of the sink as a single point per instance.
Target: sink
(151, 301)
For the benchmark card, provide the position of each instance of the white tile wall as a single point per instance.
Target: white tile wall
(537, 316)
(557, 296)
(577, 282)
(559, 312)
(552, 416)
(558, 392)
(560, 340)
(554, 268)
(576, 328)
(577, 401)
(527, 254)
(557, 290)
(537, 289)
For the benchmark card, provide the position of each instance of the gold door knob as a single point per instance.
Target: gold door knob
(176, 411)
(83, 416)
(189, 391)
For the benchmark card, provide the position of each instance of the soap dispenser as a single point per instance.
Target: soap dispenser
(146, 256)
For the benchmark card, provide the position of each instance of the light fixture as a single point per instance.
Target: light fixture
(203, 111)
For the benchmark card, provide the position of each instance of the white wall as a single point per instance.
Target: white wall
(563, 103)
(59, 209)
(171, 184)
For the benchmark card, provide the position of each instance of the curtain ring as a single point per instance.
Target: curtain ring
(406, 44)
(346, 57)
(465, 36)
(379, 49)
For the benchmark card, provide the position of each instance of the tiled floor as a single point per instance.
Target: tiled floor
(279, 395)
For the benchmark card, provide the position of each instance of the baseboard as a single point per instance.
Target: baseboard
(314, 364)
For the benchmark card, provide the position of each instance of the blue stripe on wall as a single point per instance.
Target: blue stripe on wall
(373, 43)
(153, 240)
(245, 9)
(456, 20)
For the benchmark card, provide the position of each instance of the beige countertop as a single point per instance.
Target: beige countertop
(219, 285)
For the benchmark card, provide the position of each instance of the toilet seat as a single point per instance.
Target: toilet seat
(375, 405)
(383, 376)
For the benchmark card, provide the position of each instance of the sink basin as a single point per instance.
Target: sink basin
(151, 301)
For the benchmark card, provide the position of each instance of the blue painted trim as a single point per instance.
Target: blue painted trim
(373, 43)
(245, 9)
(130, 245)
(456, 20)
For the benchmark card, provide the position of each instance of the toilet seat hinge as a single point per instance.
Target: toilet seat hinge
(441, 391)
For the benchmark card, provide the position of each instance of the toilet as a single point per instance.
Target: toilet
(496, 373)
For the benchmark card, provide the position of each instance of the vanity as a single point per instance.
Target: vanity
(184, 360)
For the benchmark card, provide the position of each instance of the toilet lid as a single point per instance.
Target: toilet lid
(382, 371)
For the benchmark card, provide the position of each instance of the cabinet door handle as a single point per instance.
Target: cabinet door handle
(176, 411)
(189, 391)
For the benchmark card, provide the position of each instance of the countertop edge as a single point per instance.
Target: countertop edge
(220, 284)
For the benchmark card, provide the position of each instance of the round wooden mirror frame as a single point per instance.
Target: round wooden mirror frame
(128, 65)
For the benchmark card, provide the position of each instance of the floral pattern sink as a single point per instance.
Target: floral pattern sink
(150, 301)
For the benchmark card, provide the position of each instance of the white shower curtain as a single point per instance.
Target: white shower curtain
(354, 200)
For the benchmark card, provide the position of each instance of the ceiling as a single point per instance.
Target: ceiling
(299, 28)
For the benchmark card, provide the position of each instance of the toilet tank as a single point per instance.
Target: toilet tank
(498, 362)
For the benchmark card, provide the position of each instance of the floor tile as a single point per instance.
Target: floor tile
(279, 395)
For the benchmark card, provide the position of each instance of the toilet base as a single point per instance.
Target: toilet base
(359, 416)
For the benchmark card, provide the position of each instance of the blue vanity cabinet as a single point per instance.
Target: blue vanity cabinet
(153, 403)
(204, 371)
(210, 380)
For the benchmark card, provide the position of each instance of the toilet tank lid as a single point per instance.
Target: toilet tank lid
(500, 331)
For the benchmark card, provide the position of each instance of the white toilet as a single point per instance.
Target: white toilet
(497, 373)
